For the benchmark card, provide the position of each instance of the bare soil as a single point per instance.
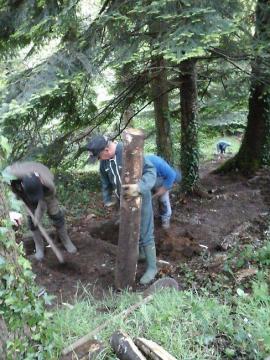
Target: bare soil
(202, 230)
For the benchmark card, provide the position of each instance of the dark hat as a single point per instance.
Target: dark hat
(33, 188)
(96, 145)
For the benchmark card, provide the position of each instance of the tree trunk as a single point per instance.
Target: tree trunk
(3, 338)
(189, 126)
(130, 211)
(127, 120)
(255, 149)
(159, 86)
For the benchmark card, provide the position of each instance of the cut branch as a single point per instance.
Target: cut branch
(124, 347)
(153, 350)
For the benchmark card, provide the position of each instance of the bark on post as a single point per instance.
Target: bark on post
(130, 211)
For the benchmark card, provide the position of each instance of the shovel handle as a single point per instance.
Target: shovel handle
(46, 236)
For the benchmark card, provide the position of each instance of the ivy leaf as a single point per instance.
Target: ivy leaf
(7, 177)
(4, 144)
(2, 260)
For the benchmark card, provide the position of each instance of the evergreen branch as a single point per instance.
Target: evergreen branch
(142, 108)
(263, 82)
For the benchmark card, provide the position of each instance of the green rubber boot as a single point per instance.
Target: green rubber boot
(151, 260)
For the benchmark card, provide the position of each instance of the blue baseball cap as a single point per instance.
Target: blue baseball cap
(95, 146)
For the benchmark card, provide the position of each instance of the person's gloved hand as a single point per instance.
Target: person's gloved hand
(16, 218)
(110, 204)
(130, 190)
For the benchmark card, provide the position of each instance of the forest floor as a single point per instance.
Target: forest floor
(202, 232)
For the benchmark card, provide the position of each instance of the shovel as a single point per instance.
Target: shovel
(46, 236)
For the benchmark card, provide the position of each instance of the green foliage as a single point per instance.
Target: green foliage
(263, 254)
(42, 126)
(22, 309)
(43, 121)
(79, 191)
(31, 22)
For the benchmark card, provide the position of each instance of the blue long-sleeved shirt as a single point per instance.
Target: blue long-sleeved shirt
(222, 144)
(165, 171)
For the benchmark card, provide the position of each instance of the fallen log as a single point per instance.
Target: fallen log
(124, 347)
(153, 350)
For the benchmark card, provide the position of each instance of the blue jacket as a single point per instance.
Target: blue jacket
(168, 174)
(222, 144)
(110, 171)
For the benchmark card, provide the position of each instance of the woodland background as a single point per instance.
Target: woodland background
(188, 73)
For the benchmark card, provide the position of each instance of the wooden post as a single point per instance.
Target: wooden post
(130, 210)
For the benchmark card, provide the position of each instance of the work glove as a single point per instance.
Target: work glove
(131, 190)
(110, 204)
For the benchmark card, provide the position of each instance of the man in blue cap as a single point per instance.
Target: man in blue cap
(33, 183)
(109, 153)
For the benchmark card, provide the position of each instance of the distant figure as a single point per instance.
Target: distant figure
(222, 146)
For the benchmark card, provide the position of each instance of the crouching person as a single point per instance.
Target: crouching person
(109, 154)
(222, 146)
(166, 177)
(33, 183)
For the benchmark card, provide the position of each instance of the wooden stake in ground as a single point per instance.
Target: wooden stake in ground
(130, 210)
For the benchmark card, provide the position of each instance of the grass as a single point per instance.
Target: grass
(187, 325)
(79, 191)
